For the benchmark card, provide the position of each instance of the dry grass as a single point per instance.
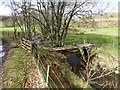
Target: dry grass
(102, 72)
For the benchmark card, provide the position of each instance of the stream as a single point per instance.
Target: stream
(1, 53)
(1, 56)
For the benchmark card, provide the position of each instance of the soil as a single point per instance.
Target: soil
(6, 48)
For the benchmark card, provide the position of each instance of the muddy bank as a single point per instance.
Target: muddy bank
(6, 47)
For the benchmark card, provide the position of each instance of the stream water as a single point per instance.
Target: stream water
(1, 56)
(1, 52)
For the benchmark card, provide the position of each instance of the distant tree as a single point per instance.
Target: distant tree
(26, 22)
(11, 4)
(21, 18)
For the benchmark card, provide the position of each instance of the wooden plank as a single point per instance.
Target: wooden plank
(48, 68)
(61, 48)
(55, 77)
(69, 47)
(26, 47)
(28, 44)
(27, 40)
(86, 45)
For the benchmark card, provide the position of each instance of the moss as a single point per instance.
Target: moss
(74, 80)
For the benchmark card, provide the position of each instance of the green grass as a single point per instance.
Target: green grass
(9, 29)
(107, 38)
(13, 69)
(5, 24)
(6, 29)
(1, 24)
(112, 31)
(17, 64)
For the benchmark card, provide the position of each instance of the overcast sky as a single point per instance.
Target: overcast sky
(113, 7)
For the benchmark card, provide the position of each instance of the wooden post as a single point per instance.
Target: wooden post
(48, 69)
(84, 41)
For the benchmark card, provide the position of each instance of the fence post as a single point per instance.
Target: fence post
(48, 69)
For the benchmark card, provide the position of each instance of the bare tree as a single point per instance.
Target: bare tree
(27, 23)
(13, 8)
(55, 17)
(21, 18)
(97, 74)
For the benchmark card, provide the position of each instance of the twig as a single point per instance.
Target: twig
(48, 69)
(103, 75)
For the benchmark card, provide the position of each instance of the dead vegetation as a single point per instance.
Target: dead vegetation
(102, 72)
(98, 72)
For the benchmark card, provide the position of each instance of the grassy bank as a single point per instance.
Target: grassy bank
(16, 68)
(20, 69)
(13, 69)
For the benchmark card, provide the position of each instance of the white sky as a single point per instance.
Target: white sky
(113, 5)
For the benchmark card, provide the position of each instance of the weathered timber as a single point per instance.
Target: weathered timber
(77, 56)
(61, 48)
(27, 47)
(28, 41)
(26, 44)
(69, 47)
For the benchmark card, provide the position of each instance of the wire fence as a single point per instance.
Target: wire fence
(49, 74)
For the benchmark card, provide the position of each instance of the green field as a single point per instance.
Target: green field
(107, 38)
(112, 31)
(7, 29)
